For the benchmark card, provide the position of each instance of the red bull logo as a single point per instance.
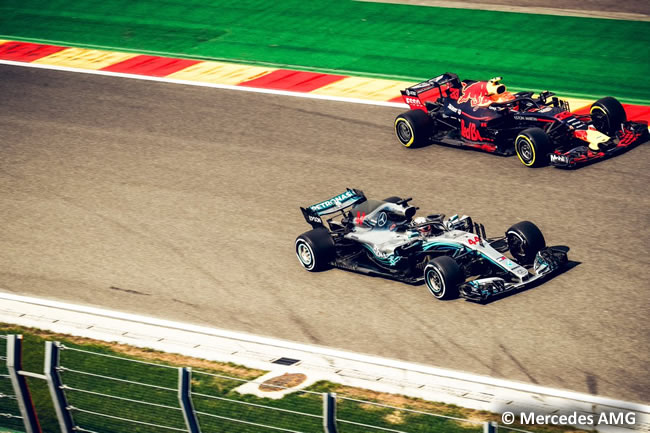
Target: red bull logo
(470, 131)
(476, 94)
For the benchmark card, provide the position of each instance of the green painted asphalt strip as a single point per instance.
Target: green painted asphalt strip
(582, 57)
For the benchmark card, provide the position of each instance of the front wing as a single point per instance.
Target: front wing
(631, 134)
(546, 262)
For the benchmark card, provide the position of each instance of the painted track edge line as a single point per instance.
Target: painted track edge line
(325, 351)
(206, 84)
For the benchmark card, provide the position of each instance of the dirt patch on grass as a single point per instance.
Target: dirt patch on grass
(279, 383)
(395, 417)
(402, 401)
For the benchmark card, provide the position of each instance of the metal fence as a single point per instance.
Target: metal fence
(10, 415)
(98, 392)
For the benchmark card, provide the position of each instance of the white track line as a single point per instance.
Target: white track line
(324, 351)
(203, 84)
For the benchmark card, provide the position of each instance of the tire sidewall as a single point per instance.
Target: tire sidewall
(539, 144)
(521, 258)
(450, 274)
(429, 271)
(613, 112)
(302, 242)
(524, 139)
(531, 238)
(402, 120)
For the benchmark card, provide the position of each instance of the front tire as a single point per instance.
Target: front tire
(607, 115)
(443, 275)
(533, 146)
(525, 239)
(315, 249)
(413, 128)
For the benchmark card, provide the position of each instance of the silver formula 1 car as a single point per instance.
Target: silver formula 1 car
(452, 255)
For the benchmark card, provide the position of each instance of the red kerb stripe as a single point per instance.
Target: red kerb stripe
(295, 81)
(150, 65)
(26, 51)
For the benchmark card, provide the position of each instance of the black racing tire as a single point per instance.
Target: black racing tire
(607, 115)
(315, 249)
(392, 199)
(525, 239)
(533, 146)
(413, 128)
(443, 276)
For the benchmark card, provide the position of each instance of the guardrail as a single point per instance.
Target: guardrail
(97, 392)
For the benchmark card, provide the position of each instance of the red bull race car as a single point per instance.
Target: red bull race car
(540, 130)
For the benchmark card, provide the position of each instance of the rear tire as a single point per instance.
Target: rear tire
(315, 249)
(525, 239)
(443, 275)
(413, 128)
(533, 146)
(607, 114)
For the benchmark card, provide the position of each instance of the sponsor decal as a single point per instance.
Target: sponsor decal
(314, 219)
(563, 159)
(576, 123)
(476, 94)
(474, 241)
(334, 201)
(529, 118)
(412, 101)
(454, 109)
(382, 219)
(505, 261)
(470, 131)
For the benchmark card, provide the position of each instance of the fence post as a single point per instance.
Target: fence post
(185, 399)
(56, 386)
(490, 427)
(19, 383)
(329, 412)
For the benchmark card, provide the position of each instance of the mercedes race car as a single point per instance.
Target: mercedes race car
(452, 256)
(540, 130)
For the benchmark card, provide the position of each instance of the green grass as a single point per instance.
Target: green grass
(85, 362)
(575, 56)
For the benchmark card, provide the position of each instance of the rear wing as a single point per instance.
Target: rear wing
(335, 204)
(416, 96)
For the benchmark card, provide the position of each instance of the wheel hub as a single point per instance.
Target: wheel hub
(403, 132)
(525, 151)
(305, 254)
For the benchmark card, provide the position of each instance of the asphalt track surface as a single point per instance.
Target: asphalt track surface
(629, 9)
(181, 202)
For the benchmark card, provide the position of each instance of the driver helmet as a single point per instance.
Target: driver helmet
(423, 229)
